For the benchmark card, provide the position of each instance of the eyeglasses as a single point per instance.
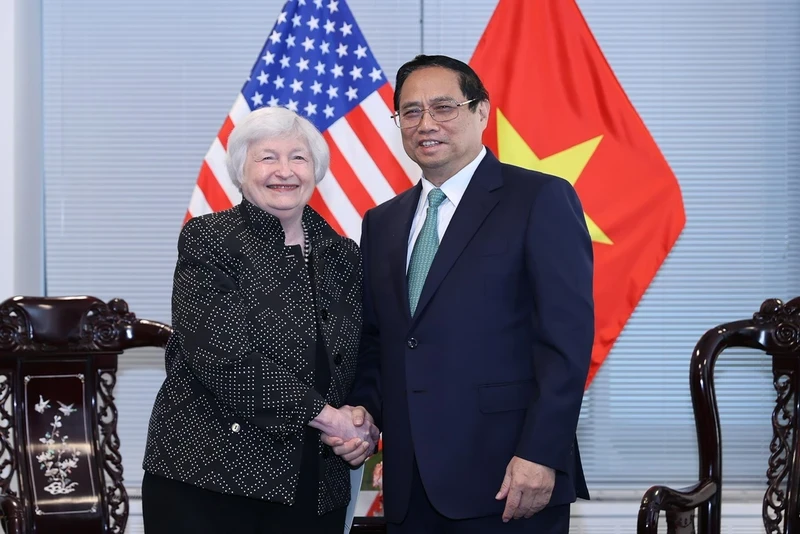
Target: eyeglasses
(440, 112)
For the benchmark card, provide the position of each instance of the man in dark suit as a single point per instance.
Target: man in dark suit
(478, 325)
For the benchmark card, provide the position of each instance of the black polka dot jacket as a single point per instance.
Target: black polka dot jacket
(231, 414)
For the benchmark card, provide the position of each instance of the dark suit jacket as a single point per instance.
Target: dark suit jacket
(240, 363)
(494, 362)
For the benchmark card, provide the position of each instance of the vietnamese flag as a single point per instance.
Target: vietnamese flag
(558, 108)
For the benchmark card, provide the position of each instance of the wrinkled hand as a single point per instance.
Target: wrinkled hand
(355, 451)
(527, 488)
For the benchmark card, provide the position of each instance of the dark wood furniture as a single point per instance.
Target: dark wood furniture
(775, 329)
(60, 465)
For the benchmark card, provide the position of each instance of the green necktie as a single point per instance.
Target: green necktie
(424, 249)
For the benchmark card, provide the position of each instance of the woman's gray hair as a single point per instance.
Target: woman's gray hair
(273, 123)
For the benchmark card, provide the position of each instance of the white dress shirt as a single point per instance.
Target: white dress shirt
(454, 189)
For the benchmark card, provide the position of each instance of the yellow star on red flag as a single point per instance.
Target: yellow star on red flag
(567, 164)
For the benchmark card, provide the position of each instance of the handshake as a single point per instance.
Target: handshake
(349, 431)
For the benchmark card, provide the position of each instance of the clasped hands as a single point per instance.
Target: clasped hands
(349, 431)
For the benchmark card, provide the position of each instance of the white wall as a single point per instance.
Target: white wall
(21, 235)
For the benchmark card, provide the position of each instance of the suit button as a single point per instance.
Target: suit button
(337, 359)
(412, 343)
(235, 427)
(324, 314)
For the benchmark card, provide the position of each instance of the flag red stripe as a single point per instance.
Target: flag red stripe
(348, 181)
(319, 205)
(380, 153)
(387, 94)
(212, 190)
(225, 132)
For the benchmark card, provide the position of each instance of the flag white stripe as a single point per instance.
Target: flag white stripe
(379, 114)
(198, 204)
(239, 110)
(360, 161)
(215, 158)
(338, 203)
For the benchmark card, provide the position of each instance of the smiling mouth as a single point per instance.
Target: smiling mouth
(282, 187)
(429, 144)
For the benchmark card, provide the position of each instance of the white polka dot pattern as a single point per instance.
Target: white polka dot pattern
(240, 363)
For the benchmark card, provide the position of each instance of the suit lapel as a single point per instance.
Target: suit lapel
(398, 253)
(479, 199)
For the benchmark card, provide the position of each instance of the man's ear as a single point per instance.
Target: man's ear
(483, 110)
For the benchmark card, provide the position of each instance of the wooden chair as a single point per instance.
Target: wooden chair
(775, 329)
(58, 423)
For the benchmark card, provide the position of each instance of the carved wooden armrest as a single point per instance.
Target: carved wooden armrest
(13, 514)
(679, 506)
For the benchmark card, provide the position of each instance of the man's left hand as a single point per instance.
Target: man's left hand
(527, 488)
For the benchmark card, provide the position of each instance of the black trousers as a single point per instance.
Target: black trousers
(172, 507)
(423, 518)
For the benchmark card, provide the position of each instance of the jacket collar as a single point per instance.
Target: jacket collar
(268, 227)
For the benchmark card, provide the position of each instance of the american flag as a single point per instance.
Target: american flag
(316, 62)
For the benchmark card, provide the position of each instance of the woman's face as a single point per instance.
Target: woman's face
(279, 176)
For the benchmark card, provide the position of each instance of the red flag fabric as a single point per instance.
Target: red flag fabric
(557, 107)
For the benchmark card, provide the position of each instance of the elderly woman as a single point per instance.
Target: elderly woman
(266, 312)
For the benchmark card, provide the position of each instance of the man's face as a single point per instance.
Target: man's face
(441, 149)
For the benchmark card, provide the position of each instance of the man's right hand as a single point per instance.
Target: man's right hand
(354, 451)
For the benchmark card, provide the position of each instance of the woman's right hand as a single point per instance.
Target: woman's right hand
(351, 432)
(343, 423)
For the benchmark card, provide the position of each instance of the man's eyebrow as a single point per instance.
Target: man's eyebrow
(435, 100)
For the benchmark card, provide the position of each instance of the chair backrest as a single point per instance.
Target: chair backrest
(58, 421)
(774, 329)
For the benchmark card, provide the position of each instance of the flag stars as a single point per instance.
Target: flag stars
(337, 71)
(333, 92)
(257, 99)
(313, 24)
(302, 64)
(375, 74)
(346, 29)
(361, 52)
(282, 17)
(296, 86)
(308, 44)
(275, 37)
(325, 47)
(292, 105)
(355, 73)
(328, 111)
(272, 102)
(333, 5)
(285, 62)
(279, 82)
(351, 93)
(320, 68)
(311, 109)
(318, 3)
(269, 58)
(296, 21)
(330, 27)
(290, 40)
(341, 50)
(316, 87)
(263, 78)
